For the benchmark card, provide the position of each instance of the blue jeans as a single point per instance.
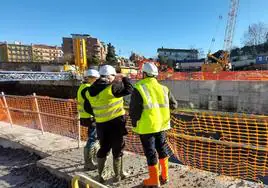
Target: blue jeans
(92, 133)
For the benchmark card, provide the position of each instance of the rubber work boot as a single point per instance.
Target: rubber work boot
(164, 170)
(153, 180)
(96, 148)
(88, 158)
(118, 167)
(101, 165)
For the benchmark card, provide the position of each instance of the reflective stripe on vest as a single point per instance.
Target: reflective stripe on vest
(81, 101)
(150, 105)
(155, 116)
(105, 106)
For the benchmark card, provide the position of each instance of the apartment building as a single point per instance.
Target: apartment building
(94, 48)
(18, 52)
(45, 53)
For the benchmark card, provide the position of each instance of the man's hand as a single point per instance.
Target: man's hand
(119, 77)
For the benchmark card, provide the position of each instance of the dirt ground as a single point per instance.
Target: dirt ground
(18, 169)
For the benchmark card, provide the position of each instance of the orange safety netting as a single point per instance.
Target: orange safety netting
(224, 75)
(233, 145)
(57, 116)
(230, 144)
(3, 114)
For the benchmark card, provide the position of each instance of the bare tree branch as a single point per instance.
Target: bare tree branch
(256, 34)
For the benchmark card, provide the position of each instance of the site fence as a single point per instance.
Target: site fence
(229, 144)
(224, 75)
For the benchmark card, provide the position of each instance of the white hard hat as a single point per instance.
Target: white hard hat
(92, 72)
(150, 69)
(107, 70)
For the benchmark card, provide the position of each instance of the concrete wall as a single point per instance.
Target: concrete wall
(234, 96)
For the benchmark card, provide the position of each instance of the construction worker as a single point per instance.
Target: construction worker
(88, 120)
(105, 101)
(150, 114)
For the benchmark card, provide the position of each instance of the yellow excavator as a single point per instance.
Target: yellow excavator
(222, 62)
(217, 64)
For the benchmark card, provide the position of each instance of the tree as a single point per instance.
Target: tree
(93, 61)
(256, 34)
(111, 56)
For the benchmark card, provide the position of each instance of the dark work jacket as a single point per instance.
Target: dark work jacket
(119, 89)
(136, 105)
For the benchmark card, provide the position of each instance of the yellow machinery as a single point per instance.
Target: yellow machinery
(80, 55)
(223, 62)
(88, 182)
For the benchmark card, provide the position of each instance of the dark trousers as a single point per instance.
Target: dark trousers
(111, 135)
(91, 124)
(152, 143)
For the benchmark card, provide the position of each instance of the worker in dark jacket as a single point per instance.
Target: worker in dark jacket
(105, 102)
(150, 114)
(88, 120)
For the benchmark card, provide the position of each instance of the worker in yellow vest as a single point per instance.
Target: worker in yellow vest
(88, 120)
(150, 114)
(105, 101)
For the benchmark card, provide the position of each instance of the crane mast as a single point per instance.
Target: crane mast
(223, 62)
(230, 27)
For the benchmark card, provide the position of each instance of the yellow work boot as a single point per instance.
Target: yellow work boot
(153, 180)
(164, 170)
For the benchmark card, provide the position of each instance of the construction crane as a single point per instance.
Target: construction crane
(223, 63)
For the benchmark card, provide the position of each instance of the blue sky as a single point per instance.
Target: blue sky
(130, 25)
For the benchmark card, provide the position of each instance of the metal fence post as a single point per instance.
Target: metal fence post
(79, 131)
(7, 108)
(38, 112)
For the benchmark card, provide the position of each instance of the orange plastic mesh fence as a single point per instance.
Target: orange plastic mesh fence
(224, 75)
(229, 144)
(23, 111)
(3, 112)
(58, 116)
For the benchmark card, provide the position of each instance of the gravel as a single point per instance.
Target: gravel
(18, 169)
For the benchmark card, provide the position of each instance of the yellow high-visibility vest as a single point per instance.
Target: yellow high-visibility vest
(81, 101)
(106, 106)
(155, 116)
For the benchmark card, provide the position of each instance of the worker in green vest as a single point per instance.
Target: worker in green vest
(105, 101)
(150, 114)
(88, 120)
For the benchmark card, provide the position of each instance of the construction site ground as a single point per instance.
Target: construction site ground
(61, 157)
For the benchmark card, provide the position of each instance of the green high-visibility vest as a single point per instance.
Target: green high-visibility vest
(106, 106)
(81, 101)
(155, 116)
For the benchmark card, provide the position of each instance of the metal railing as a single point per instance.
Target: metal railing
(25, 75)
